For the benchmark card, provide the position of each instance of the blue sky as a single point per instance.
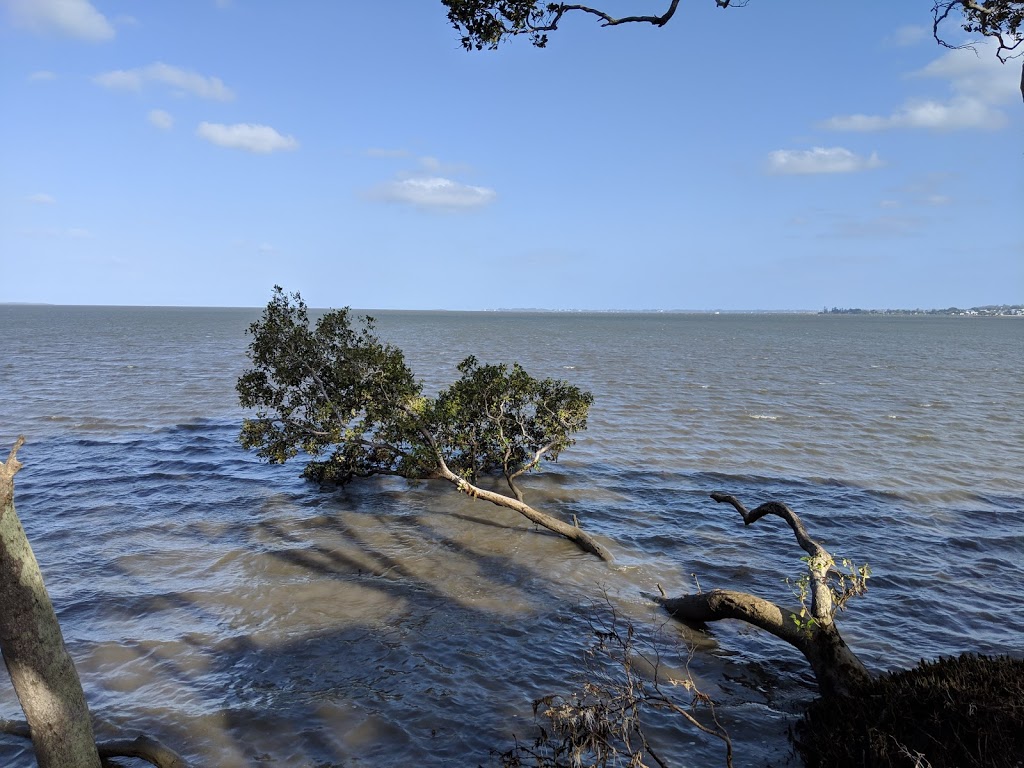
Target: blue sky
(778, 156)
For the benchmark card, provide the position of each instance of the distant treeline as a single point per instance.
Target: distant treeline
(991, 310)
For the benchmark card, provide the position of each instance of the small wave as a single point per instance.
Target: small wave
(763, 416)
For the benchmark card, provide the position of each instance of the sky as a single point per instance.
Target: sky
(782, 156)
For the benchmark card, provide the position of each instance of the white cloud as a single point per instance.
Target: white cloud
(128, 80)
(386, 153)
(435, 193)
(979, 82)
(183, 80)
(161, 119)
(42, 75)
(69, 18)
(955, 114)
(261, 139)
(819, 160)
(41, 198)
(909, 35)
(976, 74)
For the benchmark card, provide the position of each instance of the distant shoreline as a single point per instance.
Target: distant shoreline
(1004, 310)
(991, 310)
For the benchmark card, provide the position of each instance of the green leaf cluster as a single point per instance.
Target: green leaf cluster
(488, 23)
(500, 419)
(335, 392)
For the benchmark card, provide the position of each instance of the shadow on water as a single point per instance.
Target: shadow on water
(249, 618)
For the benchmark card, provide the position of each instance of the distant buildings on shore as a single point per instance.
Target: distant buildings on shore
(1002, 310)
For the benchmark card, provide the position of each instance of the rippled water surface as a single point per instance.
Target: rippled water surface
(249, 618)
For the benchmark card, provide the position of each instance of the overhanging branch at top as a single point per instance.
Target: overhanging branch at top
(488, 23)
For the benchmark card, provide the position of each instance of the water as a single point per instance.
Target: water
(249, 618)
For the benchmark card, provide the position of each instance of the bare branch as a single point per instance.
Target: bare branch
(819, 562)
(720, 604)
(609, 21)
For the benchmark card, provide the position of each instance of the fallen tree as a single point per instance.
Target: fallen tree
(963, 712)
(811, 629)
(352, 404)
(41, 669)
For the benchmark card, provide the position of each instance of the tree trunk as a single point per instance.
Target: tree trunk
(41, 669)
(572, 532)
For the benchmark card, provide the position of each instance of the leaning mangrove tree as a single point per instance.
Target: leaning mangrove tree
(348, 401)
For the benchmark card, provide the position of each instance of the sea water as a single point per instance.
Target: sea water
(247, 617)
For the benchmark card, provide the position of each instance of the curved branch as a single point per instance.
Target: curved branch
(144, 747)
(728, 604)
(819, 562)
(610, 21)
(836, 668)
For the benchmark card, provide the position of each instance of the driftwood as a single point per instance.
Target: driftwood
(57, 717)
(836, 668)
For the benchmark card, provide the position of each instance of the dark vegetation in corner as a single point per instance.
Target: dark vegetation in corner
(965, 712)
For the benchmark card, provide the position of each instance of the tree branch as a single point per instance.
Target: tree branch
(728, 604)
(574, 533)
(819, 562)
(144, 747)
(836, 668)
(609, 21)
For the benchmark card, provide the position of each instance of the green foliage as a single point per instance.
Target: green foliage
(338, 394)
(964, 712)
(488, 23)
(501, 419)
(842, 584)
(333, 391)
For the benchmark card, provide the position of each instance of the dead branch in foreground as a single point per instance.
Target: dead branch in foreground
(603, 724)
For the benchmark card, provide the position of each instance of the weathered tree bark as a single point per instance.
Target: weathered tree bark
(41, 669)
(572, 532)
(43, 674)
(837, 669)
